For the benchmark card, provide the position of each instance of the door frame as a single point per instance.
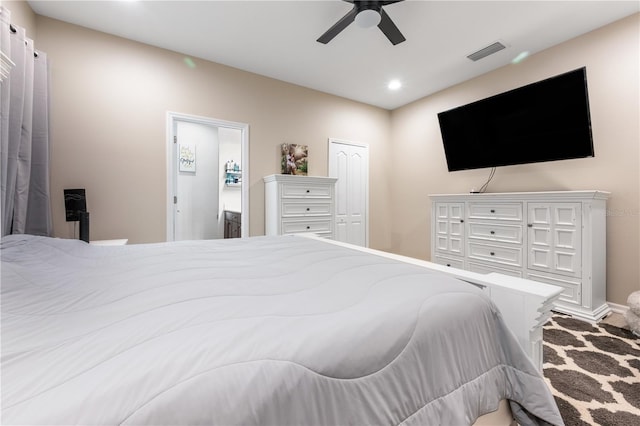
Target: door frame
(335, 141)
(172, 166)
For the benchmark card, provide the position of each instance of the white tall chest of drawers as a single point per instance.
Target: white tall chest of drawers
(554, 237)
(298, 204)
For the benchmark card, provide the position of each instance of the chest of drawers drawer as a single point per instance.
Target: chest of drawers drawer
(496, 232)
(295, 226)
(495, 253)
(305, 208)
(310, 190)
(449, 261)
(496, 211)
(484, 268)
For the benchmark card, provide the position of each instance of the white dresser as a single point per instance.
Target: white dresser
(298, 204)
(553, 237)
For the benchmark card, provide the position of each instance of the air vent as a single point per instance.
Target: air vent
(489, 50)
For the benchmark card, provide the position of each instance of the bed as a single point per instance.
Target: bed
(283, 330)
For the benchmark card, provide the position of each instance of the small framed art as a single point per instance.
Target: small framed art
(187, 157)
(294, 159)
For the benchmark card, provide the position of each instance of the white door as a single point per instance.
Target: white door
(198, 193)
(197, 182)
(349, 162)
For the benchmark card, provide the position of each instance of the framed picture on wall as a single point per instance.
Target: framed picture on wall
(187, 157)
(294, 159)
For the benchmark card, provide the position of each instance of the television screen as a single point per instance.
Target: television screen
(544, 121)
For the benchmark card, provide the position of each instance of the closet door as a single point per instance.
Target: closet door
(350, 164)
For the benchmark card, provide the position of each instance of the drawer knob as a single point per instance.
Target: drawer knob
(492, 232)
(448, 264)
(493, 211)
(308, 209)
(308, 227)
(492, 254)
(308, 191)
(530, 225)
(461, 220)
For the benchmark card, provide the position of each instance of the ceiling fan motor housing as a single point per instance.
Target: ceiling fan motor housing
(366, 14)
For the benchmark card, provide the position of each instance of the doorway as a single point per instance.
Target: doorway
(206, 180)
(349, 162)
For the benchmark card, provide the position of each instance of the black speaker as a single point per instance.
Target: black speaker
(75, 202)
(84, 226)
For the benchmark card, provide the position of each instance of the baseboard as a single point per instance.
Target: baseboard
(618, 309)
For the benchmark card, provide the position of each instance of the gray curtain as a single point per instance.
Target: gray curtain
(24, 122)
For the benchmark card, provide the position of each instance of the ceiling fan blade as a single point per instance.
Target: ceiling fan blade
(389, 29)
(339, 26)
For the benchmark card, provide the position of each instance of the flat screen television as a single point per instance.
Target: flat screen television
(543, 121)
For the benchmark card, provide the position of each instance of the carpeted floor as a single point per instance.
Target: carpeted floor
(593, 372)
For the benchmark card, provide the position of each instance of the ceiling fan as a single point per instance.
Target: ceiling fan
(366, 14)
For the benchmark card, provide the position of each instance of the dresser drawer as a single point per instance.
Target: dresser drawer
(496, 211)
(496, 232)
(498, 254)
(293, 208)
(290, 226)
(295, 190)
(449, 261)
(571, 288)
(487, 269)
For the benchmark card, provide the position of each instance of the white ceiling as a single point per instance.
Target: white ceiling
(278, 38)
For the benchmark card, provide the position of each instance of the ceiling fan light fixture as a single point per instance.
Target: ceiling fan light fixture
(368, 18)
(366, 14)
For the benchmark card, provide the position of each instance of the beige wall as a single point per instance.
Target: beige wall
(611, 56)
(110, 97)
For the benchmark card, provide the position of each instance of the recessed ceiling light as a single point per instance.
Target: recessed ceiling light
(394, 85)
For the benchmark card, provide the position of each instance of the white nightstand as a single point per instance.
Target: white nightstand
(120, 242)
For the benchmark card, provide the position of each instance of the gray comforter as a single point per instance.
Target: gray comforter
(257, 331)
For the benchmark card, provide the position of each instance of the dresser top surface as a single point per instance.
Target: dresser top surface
(298, 178)
(580, 194)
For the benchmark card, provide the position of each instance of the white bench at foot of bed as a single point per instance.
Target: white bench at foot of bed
(525, 305)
